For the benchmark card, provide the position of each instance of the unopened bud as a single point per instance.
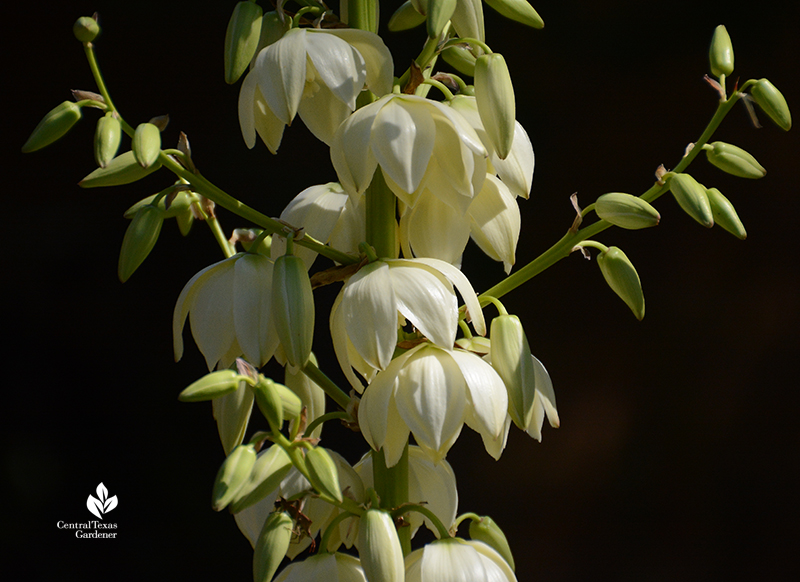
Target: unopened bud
(725, 214)
(734, 160)
(772, 102)
(477, 344)
(511, 359)
(692, 197)
(379, 547)
(324, 475)
(123, 169)
(146, 144)
(140, 238)
(271, 466)
(623, 279)
(272, 545)
(720, 55)
(232, 475)
(241, 39)
(53, 126)
(86, 29)
(210, 386)
(107, 138)
(439, 14)
(487, 531)
(269, 402)
(460, 58)
(626, 211)
(293, 303)
(405, 18)
(518, 11)
(494, 95)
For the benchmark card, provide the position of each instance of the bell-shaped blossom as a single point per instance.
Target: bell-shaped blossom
(364, 318)
(324, 567)
(418, 143)
(431, 393)
(456, 560)
(433, 485)
(316, 74)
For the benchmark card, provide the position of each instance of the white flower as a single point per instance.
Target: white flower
(364, 318)
(324, 568)
(457, 560)
(314, 73)
(431, 392)
(418, 143)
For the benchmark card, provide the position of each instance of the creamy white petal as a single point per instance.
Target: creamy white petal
(251, 308)
(378, 58)
(516, 170)
(451, 561)
(544, 402)
(348, 358)
(281, 70)
(340, 66)
(211, 313)
(434, 229)
(456, 159)
(497, 568)
(247, 122)
(496, 221)
(378, 418)
(322, 112)
(350, 230)
(486, 391)
(351, 153)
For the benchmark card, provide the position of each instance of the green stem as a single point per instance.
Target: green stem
(88, 49)
(339, 414)
(444, 533)
(329, 386)
(381, 212)
(362, 14)
(391, 484)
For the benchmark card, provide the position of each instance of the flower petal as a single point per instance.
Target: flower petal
(486, 392)
(281, 73)
(251, 308)
(323, 113)
(496, 221)
(516, 171)
(434, 229)
(377, 57)
(339, 65)
(351, 153)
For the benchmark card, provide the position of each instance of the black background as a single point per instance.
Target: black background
(678, 452)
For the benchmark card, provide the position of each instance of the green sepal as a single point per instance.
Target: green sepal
(269, 402)
(405, 18)
(725, 214)
(691, 196)
(439, 14)
(271, 466)
(626, 211)
(53, 126)
(212, 385)
(511, 359)
(272, 545)
(487, 531)
(86, 29)
(273, 27)
(720, 54)
(518, 11)
(772, 102)
(494, 95)
(241, 39)
(107, 138)
(623, 279)
(139, 240)
(293, 308)
(232, 475)
(460, 58)
(734, 160)
(324, 475)
(146, 144)
(124, 169)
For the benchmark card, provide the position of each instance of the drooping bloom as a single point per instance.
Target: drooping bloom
(324, 568)
(455, 560)
(431, 393)
(314, 73)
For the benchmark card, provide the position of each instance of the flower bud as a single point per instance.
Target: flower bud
(293, 303)
(85, 29)
(139, 240)
(733, 160)
(210, 386)
(405, 18)
(626, 211)
(379, 547)
(291, 403)
(772, 102)
(518, 11)
(623, 279)
(107, 138)
(271, 466)
(692, 197)
(146, 144)
(322, 471)
(487, 531)
(720, 55)
(269, 402)
(477, 344)
(461, 59)
(494, 95)
(241, 39)
(53, 126)
(123, 169)
(439, 14)
(179, 204)
(511, 359)
(725, 214)
(232, 475)
(272, 545)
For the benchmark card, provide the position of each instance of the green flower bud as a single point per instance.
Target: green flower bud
(53, 126)
(123, 169)
(232, 475)
(210, 386)
(439, 14)
(273, 27)
(241, 39)
(626, 211)
(185, 221)
(86, 29)
(733, 160)
(405, 18)
(772, 102)
(488, 532)
(494, 95)
(518, 11)
(139, 240)
(291, 403)
(269, 402)
(692, 197)
(323, 473)
(725, 214)
(379, 547)
(477, 344)
(511, 359)
(720, 55)
(271, 466)
(623, 279)
(180, 204)
(293, 303)
(272, 545)
(461, 59)
(146, 144)
(107, 138)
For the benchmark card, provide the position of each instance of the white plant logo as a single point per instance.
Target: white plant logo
(102, 503)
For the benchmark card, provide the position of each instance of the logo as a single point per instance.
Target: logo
(102, 503)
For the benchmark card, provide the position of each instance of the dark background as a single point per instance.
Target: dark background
(678, 452)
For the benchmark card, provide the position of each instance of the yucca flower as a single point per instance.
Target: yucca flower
(324, 567)
(314, 73)
(431, 393)
(455, 560)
